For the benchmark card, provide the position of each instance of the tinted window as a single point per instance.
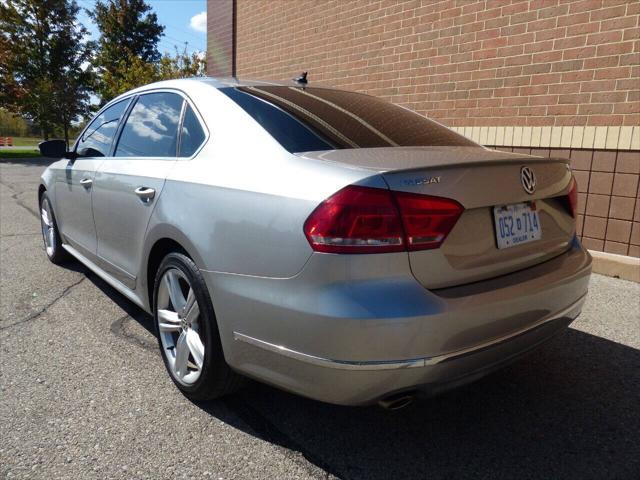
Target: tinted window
(307, 119)
(292, 134)
(151, 130)
(192, 134)
(96, 139)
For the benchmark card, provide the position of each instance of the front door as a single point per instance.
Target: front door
(74, 186)
(73, 204)
(128, 185)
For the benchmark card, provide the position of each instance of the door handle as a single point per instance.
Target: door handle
(86, 183)
(145, 194)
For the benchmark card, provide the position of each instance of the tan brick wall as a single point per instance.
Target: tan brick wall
(608, 198)
(464, 62)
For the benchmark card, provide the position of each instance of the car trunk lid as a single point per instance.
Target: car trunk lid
(480, 180)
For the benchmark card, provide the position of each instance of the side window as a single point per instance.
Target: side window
(192, 134)
(96, 139)
(151, 130)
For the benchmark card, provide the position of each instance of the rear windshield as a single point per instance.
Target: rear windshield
(310, 119)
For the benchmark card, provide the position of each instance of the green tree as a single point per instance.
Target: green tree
(74, 83)
(127, 74)
(135, 72)
(12, 125)
(182, 65)
(43, 53)
(128, 44)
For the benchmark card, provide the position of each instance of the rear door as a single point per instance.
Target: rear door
(127, 186)
(75, 185)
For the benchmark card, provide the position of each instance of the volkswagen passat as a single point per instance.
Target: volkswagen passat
(322, 241)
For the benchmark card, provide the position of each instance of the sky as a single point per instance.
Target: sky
(184, 21)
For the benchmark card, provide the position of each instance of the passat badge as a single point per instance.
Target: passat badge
(528, 179)
(422, 181)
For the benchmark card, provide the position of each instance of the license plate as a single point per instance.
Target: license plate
(516, 224)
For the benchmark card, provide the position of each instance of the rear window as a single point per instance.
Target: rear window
(309, 119)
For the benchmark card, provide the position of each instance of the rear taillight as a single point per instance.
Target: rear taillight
(427, 220)
(570, 200)
(356, 220)
(572, 197)
(372, 220)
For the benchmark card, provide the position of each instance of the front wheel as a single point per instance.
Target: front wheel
(188, 332)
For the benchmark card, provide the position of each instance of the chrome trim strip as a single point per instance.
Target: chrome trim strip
(326, 362)
(398, 364)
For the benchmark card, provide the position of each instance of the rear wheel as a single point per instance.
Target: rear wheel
(188, 332)
(50, 234)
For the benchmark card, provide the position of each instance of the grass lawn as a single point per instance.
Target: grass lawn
(25, 141)
(21, 153)
(31, 141)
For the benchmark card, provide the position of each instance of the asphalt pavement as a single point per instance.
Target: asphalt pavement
(84, 394)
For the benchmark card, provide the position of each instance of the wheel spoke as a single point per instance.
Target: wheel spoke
(182, 356)
(195, 347)
(45, 217)
(168, 321)
(172, 283)
(191, 298)
(191, 309)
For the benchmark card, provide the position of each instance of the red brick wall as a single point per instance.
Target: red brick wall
(464, 62)
(480, 63)
(220, 38)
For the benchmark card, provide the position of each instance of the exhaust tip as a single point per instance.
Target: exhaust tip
(397, 402)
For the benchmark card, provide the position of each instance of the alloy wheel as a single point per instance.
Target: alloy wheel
(48, 227)
(179, 327)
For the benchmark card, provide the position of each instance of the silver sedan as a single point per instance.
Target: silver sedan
(322, 241)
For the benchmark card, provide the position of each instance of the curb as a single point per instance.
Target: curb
(619, 266)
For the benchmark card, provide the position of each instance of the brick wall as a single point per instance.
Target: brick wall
(464, 62)
(547, 77)
(220, 38)
(608, 198)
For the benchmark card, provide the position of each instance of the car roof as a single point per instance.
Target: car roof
(221, 82)
(185, 84)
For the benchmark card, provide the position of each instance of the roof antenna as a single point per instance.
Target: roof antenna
(302, 79)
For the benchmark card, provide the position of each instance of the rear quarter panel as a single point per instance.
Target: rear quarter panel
(242, 201)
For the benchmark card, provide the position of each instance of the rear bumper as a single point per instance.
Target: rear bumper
(569, 313)
(351, 334)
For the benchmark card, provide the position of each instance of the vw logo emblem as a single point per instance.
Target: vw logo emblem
(528, 179)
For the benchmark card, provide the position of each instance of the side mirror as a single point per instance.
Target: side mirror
(55, 149)
(89, 152)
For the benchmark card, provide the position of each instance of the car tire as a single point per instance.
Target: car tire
(200, 371)
(50, 234)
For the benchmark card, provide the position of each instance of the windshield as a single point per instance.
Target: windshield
(309, 119)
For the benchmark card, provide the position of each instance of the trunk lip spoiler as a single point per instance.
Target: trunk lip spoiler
(441, 157)
(479, 163)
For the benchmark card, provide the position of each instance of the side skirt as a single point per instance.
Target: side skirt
(119, 286)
